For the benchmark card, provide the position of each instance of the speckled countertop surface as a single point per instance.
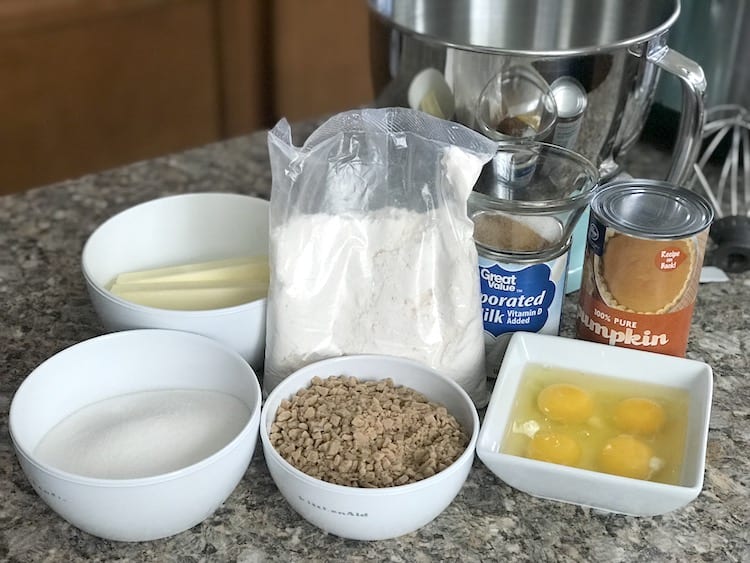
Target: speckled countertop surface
(45, 308)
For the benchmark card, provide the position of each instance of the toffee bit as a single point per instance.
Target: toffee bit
(378, 434)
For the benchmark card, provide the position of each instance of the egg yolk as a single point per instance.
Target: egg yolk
(566, 403)
(627, 456)
(554, 447)
(639, 416)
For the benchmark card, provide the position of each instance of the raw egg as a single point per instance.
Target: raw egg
(639, 416)
(627, 456)
(566, 417)
(566, 403)
(554, 447)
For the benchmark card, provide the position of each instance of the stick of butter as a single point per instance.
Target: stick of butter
(243, 268)
(193, 287)
(191, 296)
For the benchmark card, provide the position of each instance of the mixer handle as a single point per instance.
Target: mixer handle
(689, 133)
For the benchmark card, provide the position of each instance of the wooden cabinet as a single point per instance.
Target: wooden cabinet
(87, 84)
(320, 56)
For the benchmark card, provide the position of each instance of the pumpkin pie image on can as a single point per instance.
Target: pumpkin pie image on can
(644, 254)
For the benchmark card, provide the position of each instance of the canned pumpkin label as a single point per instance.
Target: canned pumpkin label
(639, 292)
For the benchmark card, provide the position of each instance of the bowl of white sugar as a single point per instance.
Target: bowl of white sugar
(137, 435)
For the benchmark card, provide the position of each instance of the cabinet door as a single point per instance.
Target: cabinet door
(320, 57)
(88, 85)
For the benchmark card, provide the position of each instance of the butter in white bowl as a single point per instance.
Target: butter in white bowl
(184, 258)
(198, 286)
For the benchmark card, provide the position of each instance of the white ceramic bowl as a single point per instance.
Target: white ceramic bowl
(113, 365)
(584, 487)
(381, 513)
(176, 230)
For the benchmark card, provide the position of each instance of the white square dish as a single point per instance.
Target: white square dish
(590, 488)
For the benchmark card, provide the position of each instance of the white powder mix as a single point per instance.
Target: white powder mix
(143, 434)
(390, 281)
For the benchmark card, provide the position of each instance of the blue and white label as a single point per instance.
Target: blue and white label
(522, 297)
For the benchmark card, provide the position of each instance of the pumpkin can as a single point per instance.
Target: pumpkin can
(644, 253)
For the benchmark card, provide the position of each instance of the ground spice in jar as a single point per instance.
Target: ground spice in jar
(501, 232)
(366, 433)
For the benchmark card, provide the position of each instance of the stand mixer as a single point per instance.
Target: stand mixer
(611, 53)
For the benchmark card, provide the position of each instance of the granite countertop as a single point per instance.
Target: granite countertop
(45, 309)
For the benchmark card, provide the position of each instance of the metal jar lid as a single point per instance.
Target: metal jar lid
(570, 97)
(651, 209)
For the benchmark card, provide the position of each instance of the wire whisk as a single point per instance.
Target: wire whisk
(730, 195)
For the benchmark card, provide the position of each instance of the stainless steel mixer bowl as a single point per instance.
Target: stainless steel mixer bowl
(614, 50)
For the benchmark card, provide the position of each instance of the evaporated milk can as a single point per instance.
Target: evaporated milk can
(523, 265)
(644, 253)
(571, 100)
(524, 207)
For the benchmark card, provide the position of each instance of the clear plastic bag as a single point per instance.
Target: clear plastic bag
(371, 248)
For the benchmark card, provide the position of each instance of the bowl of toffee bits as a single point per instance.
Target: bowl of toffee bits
(369, 447)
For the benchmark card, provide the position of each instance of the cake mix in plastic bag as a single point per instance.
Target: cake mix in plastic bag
(371, 248)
